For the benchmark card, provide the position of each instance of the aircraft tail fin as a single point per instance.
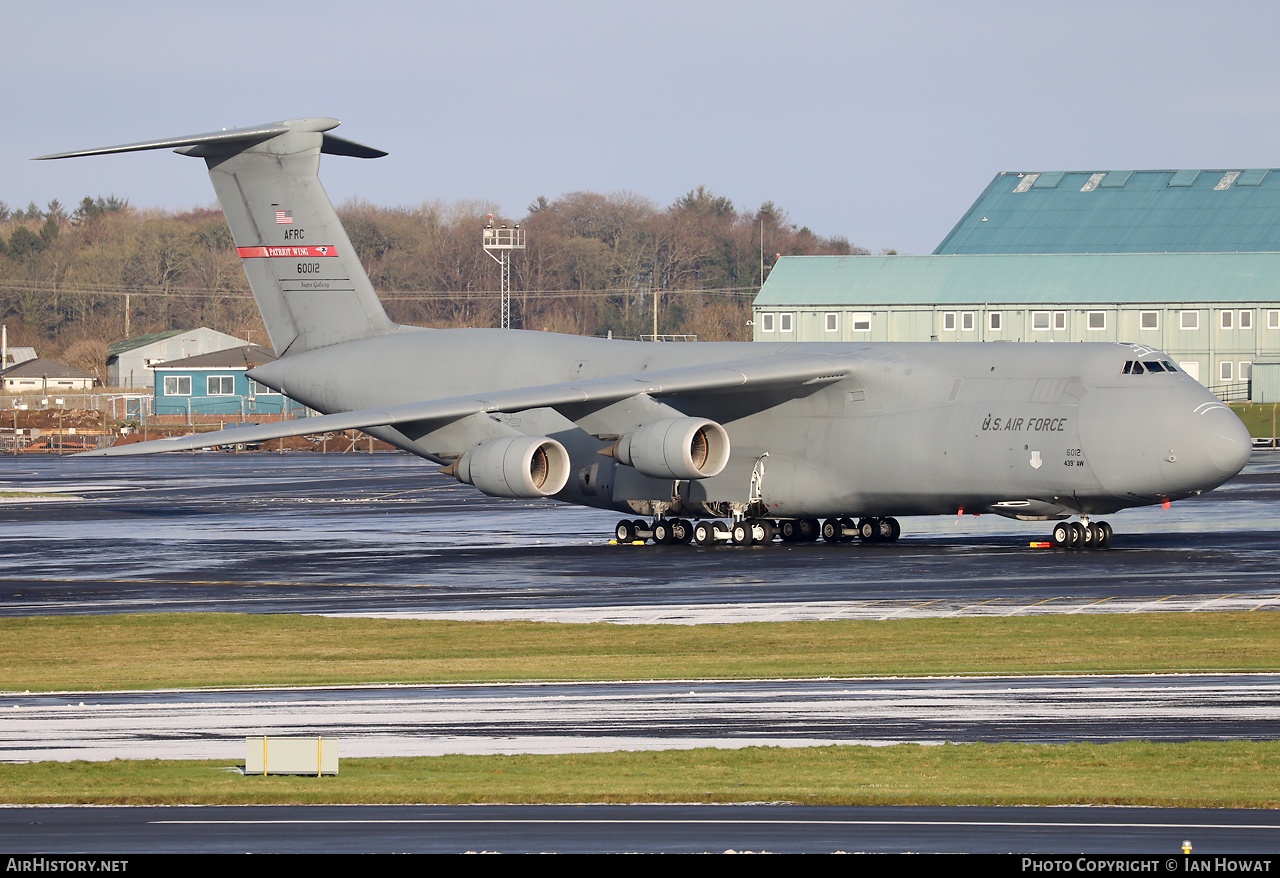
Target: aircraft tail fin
(307, 280)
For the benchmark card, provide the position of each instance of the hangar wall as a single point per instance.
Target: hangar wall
(1184, 261)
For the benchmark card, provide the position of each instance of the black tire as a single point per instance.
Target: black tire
(1104, 535)
(681, 531)
(704, 533)
(1061, 535)
(790, 530)
(832, 531)
(625, 532)
(894, 530)
(662, 533)
(1077, 535)
(809, 529)
(742, 533)
(869, 530)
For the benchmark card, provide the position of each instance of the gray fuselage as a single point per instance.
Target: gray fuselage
(1031, 431)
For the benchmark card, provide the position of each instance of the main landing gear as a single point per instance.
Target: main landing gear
(750, 531)
(1083, 534)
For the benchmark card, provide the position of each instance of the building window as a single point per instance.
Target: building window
(1246, 370)
(1059, 320)
(177, 385)
(1224, 370)
(1040, 320)
(221, 385)
(786, 322)
(861, 322)
(1225, 317)
(833, 322)
(1097, 320)
(966, 321)
(1273, 320)
(993, 321)
(1190, 320)
(949, 321)
(1246, 320)
(1149, 320)
(766, 323)
(256, 389)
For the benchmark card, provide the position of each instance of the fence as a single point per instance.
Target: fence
(1241, 391)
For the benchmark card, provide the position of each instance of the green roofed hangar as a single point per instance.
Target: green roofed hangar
(1185, 261)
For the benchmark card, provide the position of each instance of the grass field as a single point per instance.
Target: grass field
(1197, 774)
(1262, 420)
(192, 649)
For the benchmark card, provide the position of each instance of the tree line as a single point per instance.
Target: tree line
(72, 283)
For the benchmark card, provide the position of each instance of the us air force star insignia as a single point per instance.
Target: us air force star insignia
(1035, 460)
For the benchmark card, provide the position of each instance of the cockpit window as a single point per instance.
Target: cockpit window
(1138, 367)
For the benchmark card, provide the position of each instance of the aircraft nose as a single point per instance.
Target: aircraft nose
(1229, 446)
(1206, 447)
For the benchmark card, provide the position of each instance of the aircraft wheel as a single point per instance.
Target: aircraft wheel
(662, 532)
(832, 531)
(704, 533)
(869, 530)
(809, 528)
(742, 533)
(1092, 536)
(1061, 535)
(790, 530)
(681, 531)
(1088, 535)
(1077, 535)
(625, 532)
(890, 530)
(1104, 535)
(762, 530)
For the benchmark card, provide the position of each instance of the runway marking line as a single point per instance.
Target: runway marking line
(1026, 607)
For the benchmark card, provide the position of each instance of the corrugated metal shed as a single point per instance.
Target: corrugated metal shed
(999, 279)
(1173, 211)
(1266, 379)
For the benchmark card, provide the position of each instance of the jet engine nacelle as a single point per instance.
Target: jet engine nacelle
(518, 466)
(677, 448)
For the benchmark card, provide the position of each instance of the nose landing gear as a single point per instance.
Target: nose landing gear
(1083, 534)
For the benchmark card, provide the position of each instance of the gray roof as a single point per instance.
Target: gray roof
(18, 354)
(245, 357)
(41, 368)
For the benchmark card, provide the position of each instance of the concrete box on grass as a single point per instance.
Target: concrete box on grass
(267, 755)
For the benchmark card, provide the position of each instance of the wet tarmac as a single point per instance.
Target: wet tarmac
(391, 721)
(385, 534)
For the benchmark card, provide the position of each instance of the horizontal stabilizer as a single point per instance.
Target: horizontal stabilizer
(686, 380)
(235, 139)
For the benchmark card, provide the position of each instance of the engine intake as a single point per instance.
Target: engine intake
(519, 466)
(676, 448)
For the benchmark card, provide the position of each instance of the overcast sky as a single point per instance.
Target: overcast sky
(879, 121)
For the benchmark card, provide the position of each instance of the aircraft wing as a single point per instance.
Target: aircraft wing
(740, 376)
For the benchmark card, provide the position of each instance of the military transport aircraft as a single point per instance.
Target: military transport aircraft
(717, 442)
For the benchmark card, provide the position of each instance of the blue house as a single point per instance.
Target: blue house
(216, 384)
